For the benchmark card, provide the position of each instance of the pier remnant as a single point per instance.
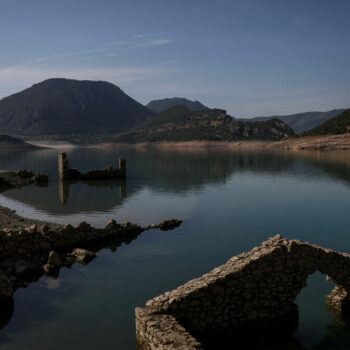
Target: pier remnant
(67, 173)
(251, 290)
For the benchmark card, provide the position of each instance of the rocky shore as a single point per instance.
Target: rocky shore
(31, 248)
(28, 252)
(19, 178)
(323, 142)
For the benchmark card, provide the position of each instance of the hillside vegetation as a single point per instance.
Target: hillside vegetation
(180, 124)
(166, 103)
(340, 124)
(302, 122)
(66, 108)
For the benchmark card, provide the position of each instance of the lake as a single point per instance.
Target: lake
(229, 201)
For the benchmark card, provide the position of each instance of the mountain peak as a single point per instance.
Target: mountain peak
(66, 107)
(166, 103)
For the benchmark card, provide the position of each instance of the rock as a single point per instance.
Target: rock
(41, 178)
(51, 270)
(83, 226)
(22, 267)
(33, 228)
(82, 255)
(24, 174)
(21, 251)
(111, 224)
(44, 228)
(68, 228)
(6, 288)
(169, 224)
(45, 246)
(54, 259)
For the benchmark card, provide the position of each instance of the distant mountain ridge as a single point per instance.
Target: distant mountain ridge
(66, 107)
(9, 141)
(97, 111)
(339, 124)
(166, 103)
(302, 122)
(179, 123)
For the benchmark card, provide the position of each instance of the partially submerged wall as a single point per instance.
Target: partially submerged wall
(250, 290)
(67, 173)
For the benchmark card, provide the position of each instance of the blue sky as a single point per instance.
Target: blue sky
(250, 57)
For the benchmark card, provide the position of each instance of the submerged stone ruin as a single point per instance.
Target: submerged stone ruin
(28, 253)
(67, 173)
(254, 290)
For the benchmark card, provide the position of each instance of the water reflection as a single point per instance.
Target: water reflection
(64, 188)
(173, 172)
(230, 200)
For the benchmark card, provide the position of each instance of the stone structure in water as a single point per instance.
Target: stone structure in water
(251, 291)
(67, 173)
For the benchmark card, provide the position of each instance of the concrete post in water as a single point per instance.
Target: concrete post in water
(63, 166)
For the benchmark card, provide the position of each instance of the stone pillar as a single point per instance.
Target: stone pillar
(63, 166)
(339, 299)
(122, 164)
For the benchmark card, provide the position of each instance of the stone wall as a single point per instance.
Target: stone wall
(67, 173)
(251, 290)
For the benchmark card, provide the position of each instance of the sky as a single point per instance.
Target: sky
(250, 57)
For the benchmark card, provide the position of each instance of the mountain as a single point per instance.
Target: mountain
(166, 103)
(340, 124)
(180, 124)
(9, 141)
(302, 122)
(65, 108)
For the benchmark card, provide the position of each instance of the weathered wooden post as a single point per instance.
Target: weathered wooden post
(63, 166)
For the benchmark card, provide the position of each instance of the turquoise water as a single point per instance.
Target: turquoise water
(229, 201)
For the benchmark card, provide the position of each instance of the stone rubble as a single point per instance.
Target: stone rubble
(19, 178)
(27, 253)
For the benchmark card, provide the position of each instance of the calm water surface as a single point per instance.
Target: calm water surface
(229, 201)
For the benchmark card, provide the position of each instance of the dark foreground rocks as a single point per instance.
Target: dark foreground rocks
(19, 178)
(168, 224)
(26, 253)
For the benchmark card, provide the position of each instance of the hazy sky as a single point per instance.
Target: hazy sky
(250, 57)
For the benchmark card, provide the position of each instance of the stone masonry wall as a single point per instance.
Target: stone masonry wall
(251, 289)
(67, 173)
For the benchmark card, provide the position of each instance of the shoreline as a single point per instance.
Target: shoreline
(33, 248)
(10, 220)
(323, 142)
